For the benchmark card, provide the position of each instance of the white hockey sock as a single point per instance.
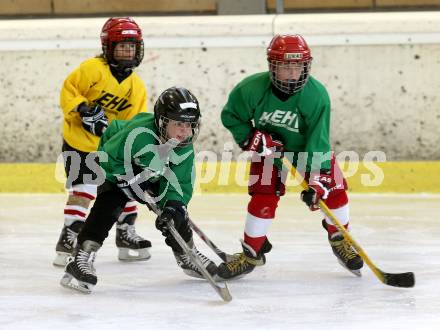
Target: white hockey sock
(74, 213)
(342, 214)
(130, 208)
(257, 227)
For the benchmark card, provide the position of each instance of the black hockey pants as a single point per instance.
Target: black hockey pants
(106, 210)
(108, 206)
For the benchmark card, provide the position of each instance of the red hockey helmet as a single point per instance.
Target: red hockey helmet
(122, 29)
(289, 59)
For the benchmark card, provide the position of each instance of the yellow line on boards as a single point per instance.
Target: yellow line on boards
(398, 177)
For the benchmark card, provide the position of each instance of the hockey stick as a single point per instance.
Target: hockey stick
(222, 255)
(403, 280)
(223, 292)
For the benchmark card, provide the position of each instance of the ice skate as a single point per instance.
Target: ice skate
(79, 273)
(66, 243)
(346, 255)
(190, 268)
(132, 247)
(244, 262)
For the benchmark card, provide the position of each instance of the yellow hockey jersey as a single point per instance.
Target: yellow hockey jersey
(92, 82)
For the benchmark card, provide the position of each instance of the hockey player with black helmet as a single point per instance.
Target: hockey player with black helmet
(100, 90)
(285, 112)
(150, 160)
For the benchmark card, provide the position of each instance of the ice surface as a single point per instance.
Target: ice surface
(301, 287)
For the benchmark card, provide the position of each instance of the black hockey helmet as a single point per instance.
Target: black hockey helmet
(178, 104)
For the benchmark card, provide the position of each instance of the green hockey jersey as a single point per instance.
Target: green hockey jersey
(302, 121)
(135, 144)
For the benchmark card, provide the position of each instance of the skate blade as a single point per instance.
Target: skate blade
(217, 278)
(193, 273)
(356, 272)
(126, 254)
(66, 281)
(61, 259)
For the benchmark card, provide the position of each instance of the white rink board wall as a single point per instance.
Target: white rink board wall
(381, 70)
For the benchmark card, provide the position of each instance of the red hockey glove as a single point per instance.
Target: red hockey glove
(318, 189)
(262, 143)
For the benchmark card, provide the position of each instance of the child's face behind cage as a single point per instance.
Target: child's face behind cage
(179, 130)
(125, 51)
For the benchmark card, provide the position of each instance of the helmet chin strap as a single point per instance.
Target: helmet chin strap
(172, 142)
(292, 83)
(287, 86)
(123, 67)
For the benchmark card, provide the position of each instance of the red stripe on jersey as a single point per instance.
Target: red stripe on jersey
(84, 194)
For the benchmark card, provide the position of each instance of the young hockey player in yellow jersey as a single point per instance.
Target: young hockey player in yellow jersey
(100, 90)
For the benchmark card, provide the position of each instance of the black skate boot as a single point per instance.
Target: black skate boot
(244, 262)
(127, 240)
(344, 252)
(80, 268)
(66, 243)
(190, 268)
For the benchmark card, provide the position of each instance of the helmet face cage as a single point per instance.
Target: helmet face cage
(289, 59)
(163, 124)
(138, 54)
(289, 86)
(177, 104)
(118, 30)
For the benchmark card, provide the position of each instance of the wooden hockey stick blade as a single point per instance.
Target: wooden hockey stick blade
(402, 280)
(223, 292)
(221, 254)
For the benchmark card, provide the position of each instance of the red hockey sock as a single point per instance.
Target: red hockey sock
(255, 242)
(331, 229)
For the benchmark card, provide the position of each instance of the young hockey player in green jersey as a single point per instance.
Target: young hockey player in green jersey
(148, 159)
(100, 90)
(285, 112)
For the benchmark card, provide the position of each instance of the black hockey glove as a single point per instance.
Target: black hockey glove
(93, 118)
(173, 211)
